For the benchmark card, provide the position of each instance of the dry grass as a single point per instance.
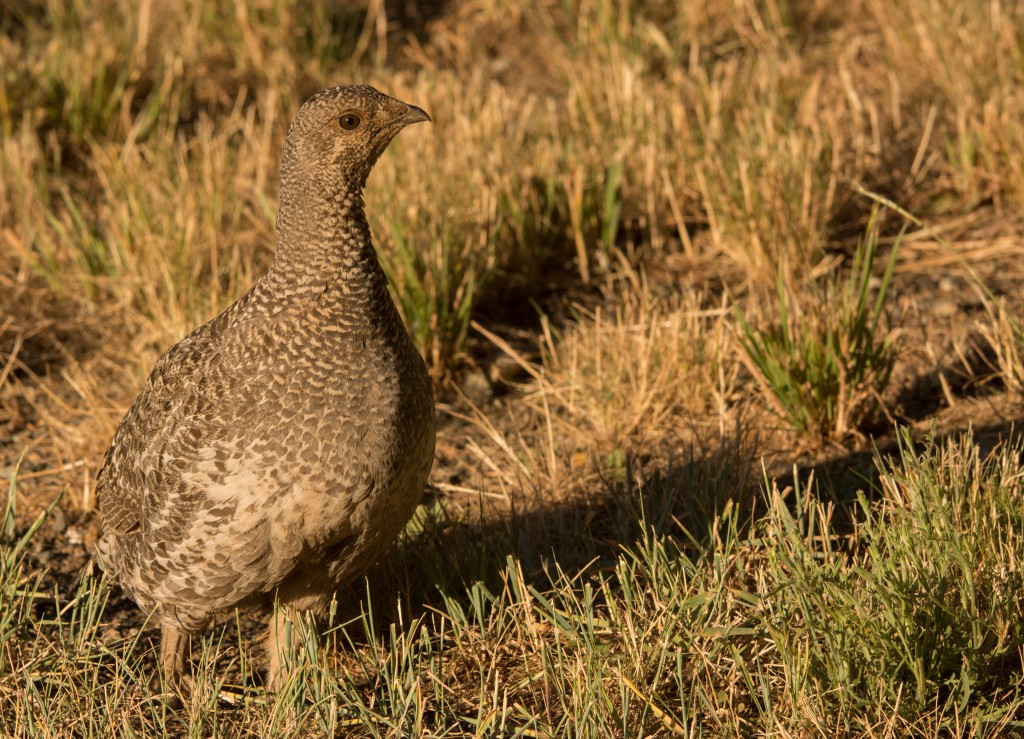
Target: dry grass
(629, 538)
(641, 373)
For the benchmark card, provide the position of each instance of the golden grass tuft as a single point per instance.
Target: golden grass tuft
(639, 374)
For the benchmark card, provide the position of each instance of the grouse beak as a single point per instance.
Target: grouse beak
(413, 115)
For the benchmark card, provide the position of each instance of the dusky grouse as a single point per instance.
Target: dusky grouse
(278, 450)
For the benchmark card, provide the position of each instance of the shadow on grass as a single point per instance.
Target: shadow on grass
(683, 497)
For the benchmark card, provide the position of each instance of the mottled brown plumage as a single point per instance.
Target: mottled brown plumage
(277, 450)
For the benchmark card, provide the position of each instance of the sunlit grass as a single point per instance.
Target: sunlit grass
(604, 200)
(778, 622)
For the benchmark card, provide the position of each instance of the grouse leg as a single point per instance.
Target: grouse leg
(284, 638)
(174, 644)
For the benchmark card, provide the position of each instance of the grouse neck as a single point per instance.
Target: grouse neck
(323, 240)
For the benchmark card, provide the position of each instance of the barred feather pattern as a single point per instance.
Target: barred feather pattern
(280, 448)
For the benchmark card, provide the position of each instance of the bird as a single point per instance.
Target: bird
(276, 452)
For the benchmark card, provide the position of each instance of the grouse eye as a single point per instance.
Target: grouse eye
(350, 121)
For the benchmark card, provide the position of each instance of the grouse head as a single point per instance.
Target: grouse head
(340, 133)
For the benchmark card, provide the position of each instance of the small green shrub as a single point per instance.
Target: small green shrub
(824, 364)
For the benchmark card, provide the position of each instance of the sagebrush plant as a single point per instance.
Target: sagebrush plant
(826, 361)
